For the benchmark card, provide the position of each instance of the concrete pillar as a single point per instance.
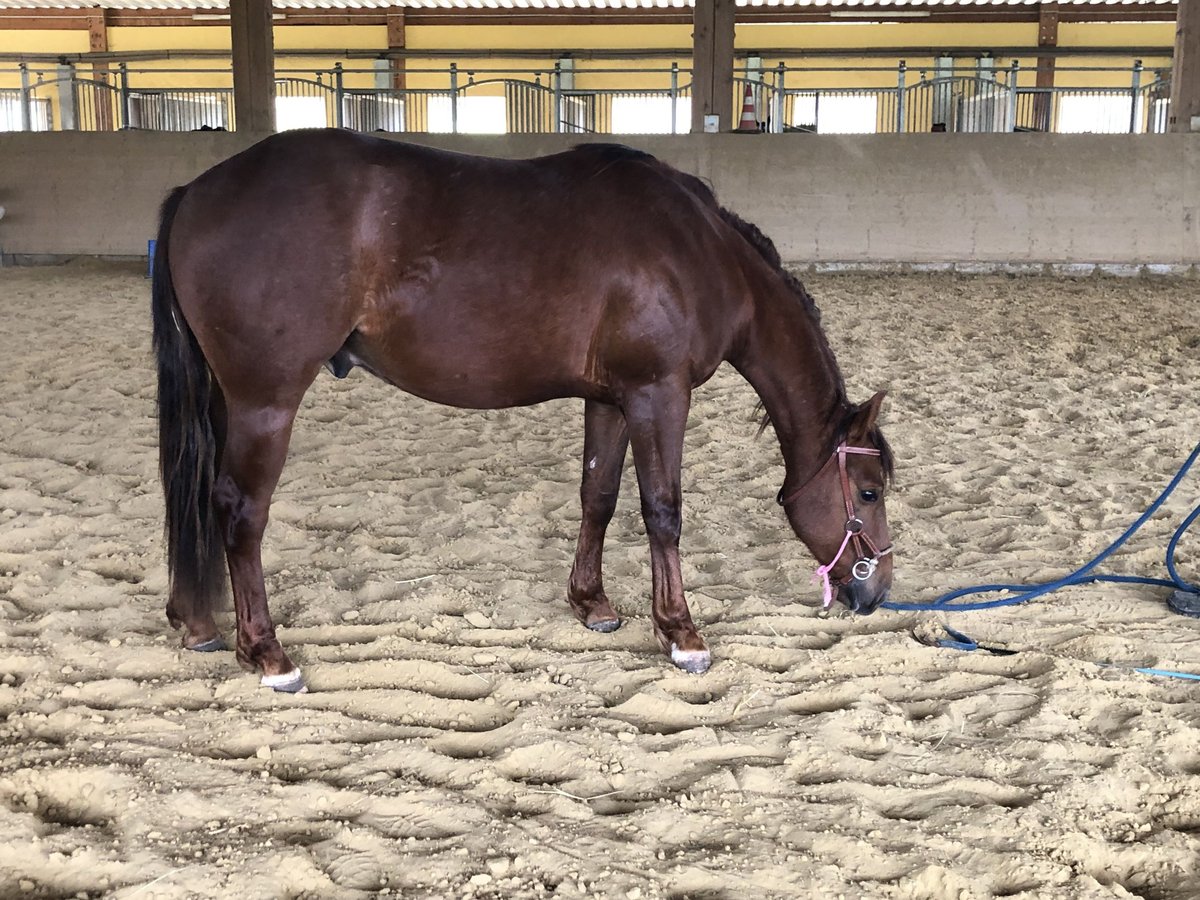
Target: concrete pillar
(253, 65)
(1185, 71)
(712, 63)
(68, 118)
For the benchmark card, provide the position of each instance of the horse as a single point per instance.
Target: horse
(599, 273)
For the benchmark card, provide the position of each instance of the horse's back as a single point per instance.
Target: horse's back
(566, 273)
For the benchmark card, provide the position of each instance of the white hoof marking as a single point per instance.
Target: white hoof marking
(288, 683)
(695, 662)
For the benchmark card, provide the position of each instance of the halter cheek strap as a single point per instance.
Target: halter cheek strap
(864, 565)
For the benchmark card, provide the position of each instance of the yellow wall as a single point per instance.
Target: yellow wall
(821, 36)
(37, 41)
(1116, 34)
(550, 37)
(47, 41)
(191, 37)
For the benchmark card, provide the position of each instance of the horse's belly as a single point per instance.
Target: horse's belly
(465, 374)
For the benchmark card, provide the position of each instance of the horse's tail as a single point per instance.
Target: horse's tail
(187, 444)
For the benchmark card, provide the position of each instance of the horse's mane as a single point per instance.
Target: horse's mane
(766, 249)
(843, 411)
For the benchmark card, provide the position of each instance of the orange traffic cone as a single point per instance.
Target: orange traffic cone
(749, 120)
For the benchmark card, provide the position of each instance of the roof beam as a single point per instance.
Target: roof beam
(540, 54)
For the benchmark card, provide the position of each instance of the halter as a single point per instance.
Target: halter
(864, 566)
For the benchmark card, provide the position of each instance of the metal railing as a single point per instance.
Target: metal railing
(987, 101)
(780, 99)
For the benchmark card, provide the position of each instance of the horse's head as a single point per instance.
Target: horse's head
(839, 513)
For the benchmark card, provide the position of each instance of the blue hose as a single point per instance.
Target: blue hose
(1022, 593)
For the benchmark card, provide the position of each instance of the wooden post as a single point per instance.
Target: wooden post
(1185, 71)
(253, 65)
(396, 41)
(97, 20)
(1047, 37)
(712, 62)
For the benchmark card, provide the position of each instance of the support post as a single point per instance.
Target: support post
(780, 97)
(339, 97)
(454, 98)
(397, 40)
(1047, 38)
(1011, 117)
(124, 77)
(101, 99)
(253, 65)
(712, 63)
(1185, 72)
(674, 96)
(1135, 90)
(558, 76)
(26, 117)
(68, 115)
(901, 97)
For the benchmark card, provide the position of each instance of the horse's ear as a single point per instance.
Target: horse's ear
(865, 416)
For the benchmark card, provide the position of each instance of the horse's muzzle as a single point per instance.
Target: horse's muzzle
(862, 597)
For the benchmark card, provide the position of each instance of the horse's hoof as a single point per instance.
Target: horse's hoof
(288, 683)
(212, 645)
(694, 662)
(605, 626)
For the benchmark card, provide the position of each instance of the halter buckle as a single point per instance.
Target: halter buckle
(854, 525)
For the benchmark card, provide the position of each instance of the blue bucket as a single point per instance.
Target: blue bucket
(150, 245)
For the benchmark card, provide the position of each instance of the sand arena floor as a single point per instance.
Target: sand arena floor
(464, 737)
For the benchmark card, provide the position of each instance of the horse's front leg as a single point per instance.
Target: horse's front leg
(656, 416)
(255, 449)
(605, 439)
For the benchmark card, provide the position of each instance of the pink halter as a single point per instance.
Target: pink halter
(864, 566)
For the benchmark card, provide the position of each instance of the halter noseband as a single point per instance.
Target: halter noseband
(864, 566)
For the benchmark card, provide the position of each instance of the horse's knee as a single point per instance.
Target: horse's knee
(598, 504)
(663, 518)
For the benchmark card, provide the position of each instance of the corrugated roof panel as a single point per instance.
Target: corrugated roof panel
(600, 4)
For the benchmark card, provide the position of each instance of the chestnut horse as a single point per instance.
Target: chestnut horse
(600, 273)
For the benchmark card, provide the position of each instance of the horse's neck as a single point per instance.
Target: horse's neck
(789, 363)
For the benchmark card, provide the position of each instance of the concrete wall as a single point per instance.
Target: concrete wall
(868, 199)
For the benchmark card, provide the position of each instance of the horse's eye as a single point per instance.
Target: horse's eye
(869, 496)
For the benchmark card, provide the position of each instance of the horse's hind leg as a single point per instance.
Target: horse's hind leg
(256, 444)
(604, 443)
(195, 620)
